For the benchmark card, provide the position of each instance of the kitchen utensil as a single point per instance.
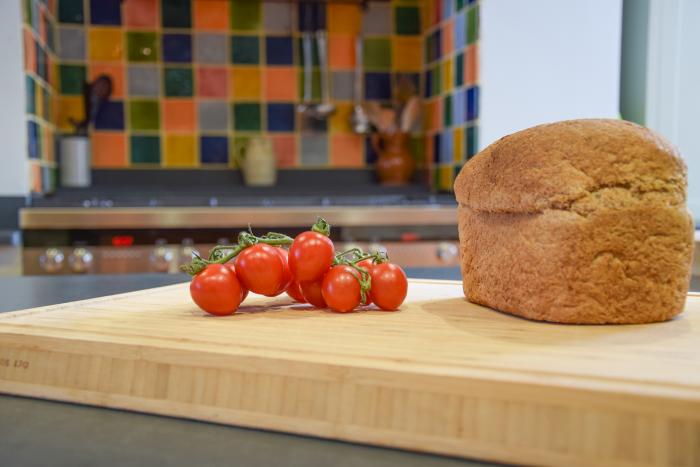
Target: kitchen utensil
(75, 161)
(395, 165)
(410, 114)
(372, 110)
(257, 161)
(307, 106)
(94, 95)
(441, 375)
(326, 107)
(359, 120)
(387, 121)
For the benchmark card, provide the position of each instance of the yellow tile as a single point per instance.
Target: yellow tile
(39, 101)
(458, 146)
(340, 120)
(447, 75)
(343, 18)
(180, 151)
(445, 176)
(67, 108)
(105, 44)
(245, 83)
(407, 53)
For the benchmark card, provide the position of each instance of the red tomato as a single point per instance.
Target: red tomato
(341, 288)
(312, 293)
(367, 265)
(260, 269)
(244, 291)
(294, 291)
(310, 256)
(216, 290)
(389, 286)
(287, 274)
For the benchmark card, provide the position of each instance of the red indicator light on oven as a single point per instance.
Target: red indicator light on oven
(122, 240)
(410, 237)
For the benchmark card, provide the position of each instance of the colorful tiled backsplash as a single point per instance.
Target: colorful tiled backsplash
(450, 90)
(193, 78)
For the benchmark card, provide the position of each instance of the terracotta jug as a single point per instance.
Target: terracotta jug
(395, 164)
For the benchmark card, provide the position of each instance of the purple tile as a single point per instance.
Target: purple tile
(436, 147)
(280, 117)
(472, 102)
(279, 50)
(177, 48)
(213, 149)
(33, 140)
(110, 116)
(378, 86)
(105, 12)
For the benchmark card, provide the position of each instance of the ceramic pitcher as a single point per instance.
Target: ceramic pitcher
(257, 161)
(395, 165)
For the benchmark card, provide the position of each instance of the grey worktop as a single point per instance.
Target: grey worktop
(38, 432)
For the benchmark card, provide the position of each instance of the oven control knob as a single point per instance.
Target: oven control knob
(447, 252)
(80, 260)
(52, 260)
(161, 259)
(374, 246)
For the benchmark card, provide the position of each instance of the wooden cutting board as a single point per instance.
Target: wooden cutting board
(441, 375)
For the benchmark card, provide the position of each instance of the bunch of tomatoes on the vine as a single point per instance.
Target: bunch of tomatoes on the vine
(310, 271)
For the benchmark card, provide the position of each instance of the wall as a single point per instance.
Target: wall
(192, 79)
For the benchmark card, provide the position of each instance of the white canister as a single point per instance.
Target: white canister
(75, 161)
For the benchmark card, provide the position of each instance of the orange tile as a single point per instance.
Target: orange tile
(42, 23)
(211, 82)
(115, 72)
(437, 114)
(29, 51)
(471, 64)
(448, 40)
(179, 115)
(35, 177)
(346, 151)
(341, 52)
(48, 145)
(427, 14)
(280, 83)
(67, 108)
(140, 13)
(52, 71)
(108, 149)
(180, 151)
(105, 44)
(211, 14)
(245, 83)
(343, 18)
(406, 53)
(285, 147)
(340, 120)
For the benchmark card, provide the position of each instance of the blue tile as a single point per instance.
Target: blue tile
(460, 30)
(41, 62)
(378, 86)
(30, 89)
(436, 147)
(447, 8)
(106, 12)
(428, 89)
(280, 117)
(214, 149)
(33, 140)
(472, 103)
(437, 44)
(110, 116)
(279, 50)
(472, 135)
(458, 109)
(445, 156)
(370, 154)
(177, 48)
(312, 16)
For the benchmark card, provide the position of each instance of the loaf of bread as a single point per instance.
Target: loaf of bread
(580, 221)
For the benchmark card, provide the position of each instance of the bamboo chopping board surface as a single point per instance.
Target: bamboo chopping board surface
(442, 375)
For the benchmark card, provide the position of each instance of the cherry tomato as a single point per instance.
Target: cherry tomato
(310, 256)
(287, 274)
(312, 293)
(294, 291)
(389, 286)
(260, 269)
(244, 291)
(367, 265)
(341, 288)
(216, 290)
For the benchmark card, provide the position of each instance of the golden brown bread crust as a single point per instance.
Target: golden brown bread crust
(577, 222)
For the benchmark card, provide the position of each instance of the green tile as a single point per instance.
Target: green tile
(447, 111)
(472, 24)
(178, 82)
(428, 48)
(416, 145)
(245, 50)
(315, 84)
(376, 54)
(459, 70)
(176, 13)
(142, 46)
(27, 11)
(437, 80)
(235, 149)
(72, 78)
(472, 141)
(70, 11)
(145, 150)
(314, 52)
(47, 104)
(460, 4)
(407, 20)
(245, 15)
(246, 117)
(144, 115)
(30, 94)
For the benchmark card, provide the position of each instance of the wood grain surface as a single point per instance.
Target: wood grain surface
(442, 375)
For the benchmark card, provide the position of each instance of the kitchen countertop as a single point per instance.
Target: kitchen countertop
(34, 431)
